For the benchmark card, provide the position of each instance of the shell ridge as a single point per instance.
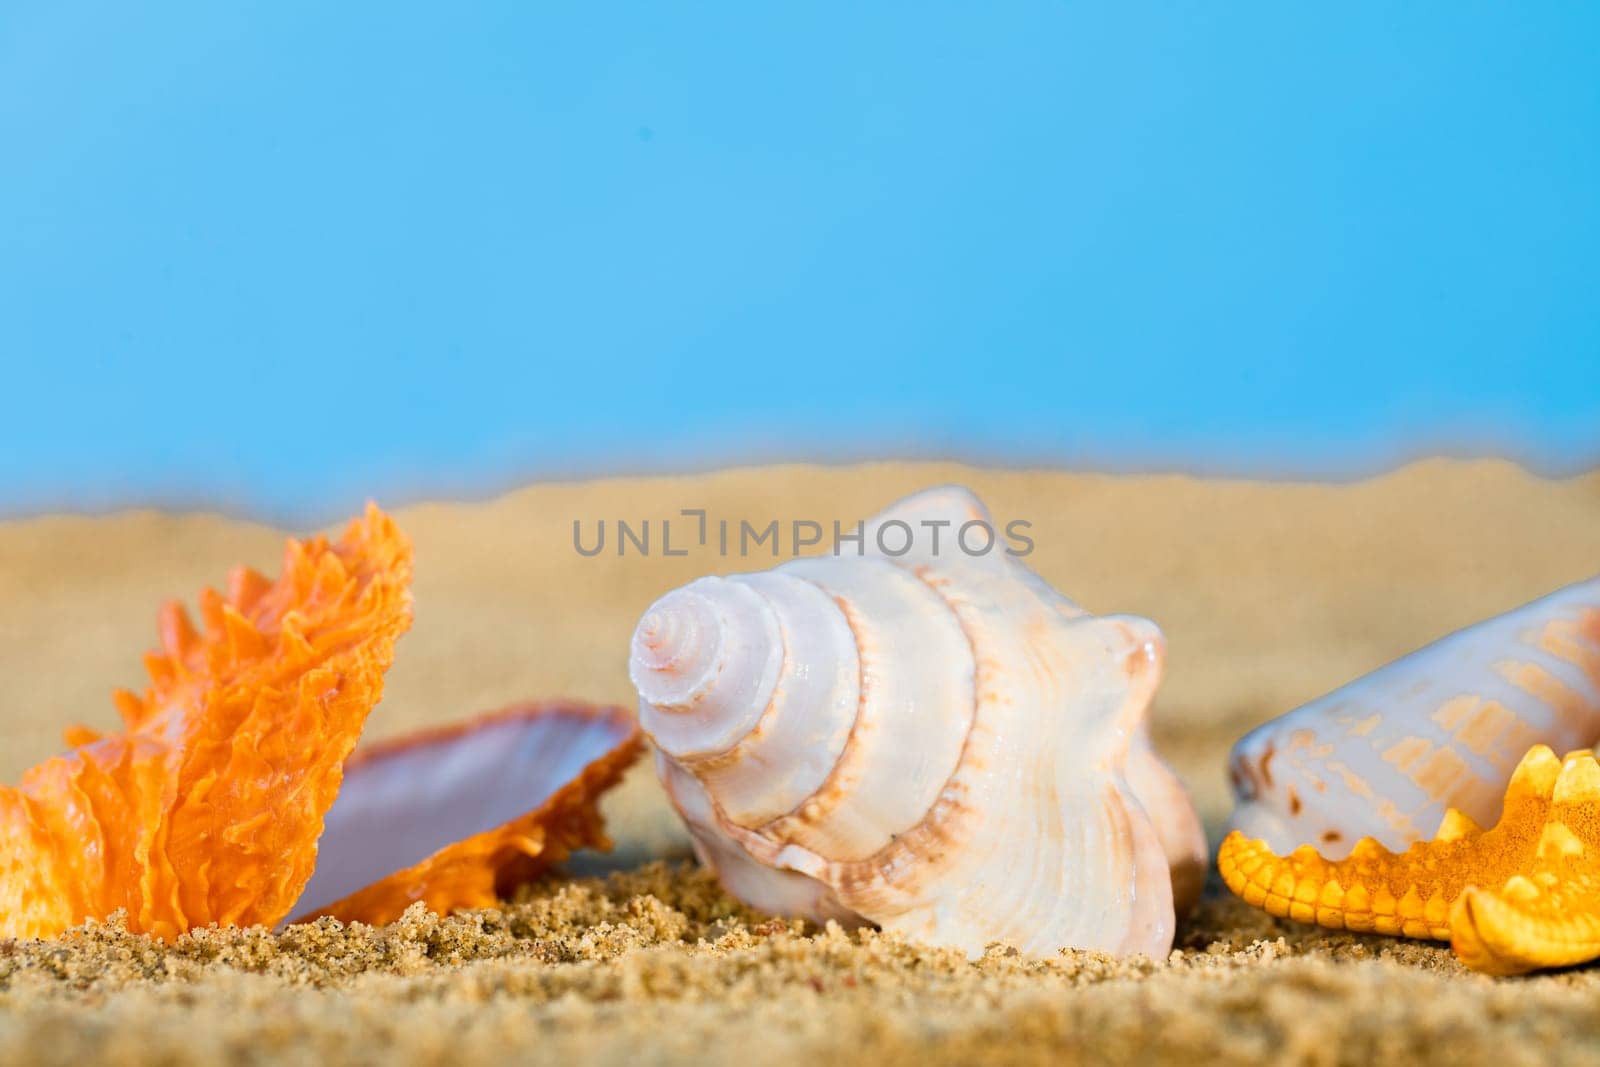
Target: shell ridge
(774, 827)
(855, 774)
(938, 838)
(779, 720)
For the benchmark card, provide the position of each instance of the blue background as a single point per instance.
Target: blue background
(279, 257)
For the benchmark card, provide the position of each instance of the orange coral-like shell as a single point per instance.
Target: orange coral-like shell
(1521, 896)
(207, 809)
(479, 870)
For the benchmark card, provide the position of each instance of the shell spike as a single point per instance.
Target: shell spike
(211, 603)
(130, 707)
(1456, 825)
(160, 670)
(1578, 781)
(246, 587)
(1368, 848)
(1119, 658)
(1536, 775)
(1144, 650)
(950, 504)
(937, 527)
(178, 635)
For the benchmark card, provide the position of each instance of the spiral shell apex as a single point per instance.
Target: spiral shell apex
(1385, 756)
(936, 742)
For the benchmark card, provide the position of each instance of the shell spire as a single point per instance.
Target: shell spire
(1520, 896)
(934, 741)
(1386, 756)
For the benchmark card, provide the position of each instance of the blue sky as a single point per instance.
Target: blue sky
(280, 257)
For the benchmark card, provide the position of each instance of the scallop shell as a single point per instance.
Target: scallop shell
(938, 743)
(230, 788)
(458, 816)
(207, 808)
(1444, 727)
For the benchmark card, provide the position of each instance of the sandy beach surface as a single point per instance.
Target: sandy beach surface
(1269, 594)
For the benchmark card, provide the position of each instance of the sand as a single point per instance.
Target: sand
(1269, 593)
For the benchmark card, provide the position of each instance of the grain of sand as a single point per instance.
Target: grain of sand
(1269, 594)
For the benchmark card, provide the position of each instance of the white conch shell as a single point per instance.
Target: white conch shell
(1444, 727)
(937, 742)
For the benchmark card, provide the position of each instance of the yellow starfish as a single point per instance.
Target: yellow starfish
(1521, 896)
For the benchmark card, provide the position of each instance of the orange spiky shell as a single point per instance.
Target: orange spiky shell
(208, 807)
(1520, 896)
(559, 755)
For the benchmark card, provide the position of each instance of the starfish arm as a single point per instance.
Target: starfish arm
(1547, 914)
(1372, 891)
(1504, 932)
(1409, 893)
